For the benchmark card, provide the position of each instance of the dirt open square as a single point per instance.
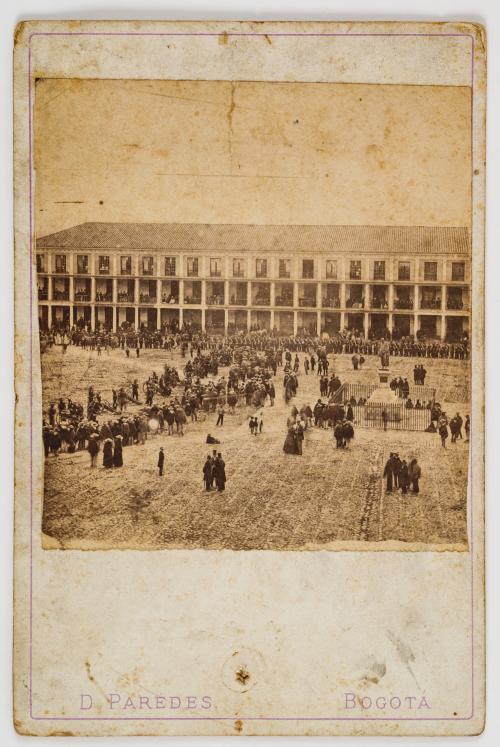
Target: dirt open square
(326, 499)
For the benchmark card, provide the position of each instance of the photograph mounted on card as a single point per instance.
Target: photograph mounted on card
(249, 324)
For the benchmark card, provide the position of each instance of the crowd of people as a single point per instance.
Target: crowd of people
(252, 360)
(170, 337)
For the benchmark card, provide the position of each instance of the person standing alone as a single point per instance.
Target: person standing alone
(161, 461)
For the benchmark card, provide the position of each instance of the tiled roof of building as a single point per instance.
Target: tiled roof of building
(206, 237)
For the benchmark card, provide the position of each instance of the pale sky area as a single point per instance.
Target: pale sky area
(222, 152)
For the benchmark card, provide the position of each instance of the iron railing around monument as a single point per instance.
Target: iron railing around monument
(397, 417)
(387, 416)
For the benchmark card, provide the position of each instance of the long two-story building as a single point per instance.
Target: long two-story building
(223, 278)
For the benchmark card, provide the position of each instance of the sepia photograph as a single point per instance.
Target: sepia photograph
(254, 307)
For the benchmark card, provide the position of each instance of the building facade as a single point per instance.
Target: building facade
(376, 279)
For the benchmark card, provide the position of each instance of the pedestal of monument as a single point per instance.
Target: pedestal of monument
(383, 398)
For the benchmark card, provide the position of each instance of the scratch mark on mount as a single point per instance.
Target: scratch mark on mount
(404, 652)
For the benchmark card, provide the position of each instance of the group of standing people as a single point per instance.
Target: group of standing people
(401, 474)
(112, 452)
(214, 471)
(455, 425)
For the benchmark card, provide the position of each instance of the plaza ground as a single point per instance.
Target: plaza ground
(326, 498)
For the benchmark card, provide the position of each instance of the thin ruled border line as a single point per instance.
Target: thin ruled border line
(31, 233)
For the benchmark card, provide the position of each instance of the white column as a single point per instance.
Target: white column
(295, 322)
(342, 295)
(416, 307)
(114, 319)
(136, 317)
(390, 319)
(390, 297)
(416, 297)
(365, 324)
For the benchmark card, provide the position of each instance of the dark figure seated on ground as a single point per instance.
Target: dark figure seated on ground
(212, 440)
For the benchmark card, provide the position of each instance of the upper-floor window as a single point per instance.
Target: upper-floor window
(430, 270)
(284, 268)
(331, 269)
(403, 271)
(125, 265)
(355, 269)
(458, 270)
(261, 268)
(61, 263)
(215, 267)
(192, 267)
(148, 267)
(379, 270)
(40, 263)
(308, 268)
(238, 268)
(103, 265)
(170, 266)
(82, 264)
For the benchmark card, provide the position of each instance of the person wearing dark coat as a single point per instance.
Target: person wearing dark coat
(443, 432)
(347, 431)
(415, 474)
(52, 414)
(396, 469)
(404, 477)
(220, 472)
(339, 435)
(208, 476)
(55, 442)
(161, 461)
(389, 473)
(118, 452)
(289, 447)
(272, 394)
(350, 413)
(107, 453)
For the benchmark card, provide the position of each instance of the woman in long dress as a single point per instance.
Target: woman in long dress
(118, 453)
(299, 437)
(290, 445)
(107, 453)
